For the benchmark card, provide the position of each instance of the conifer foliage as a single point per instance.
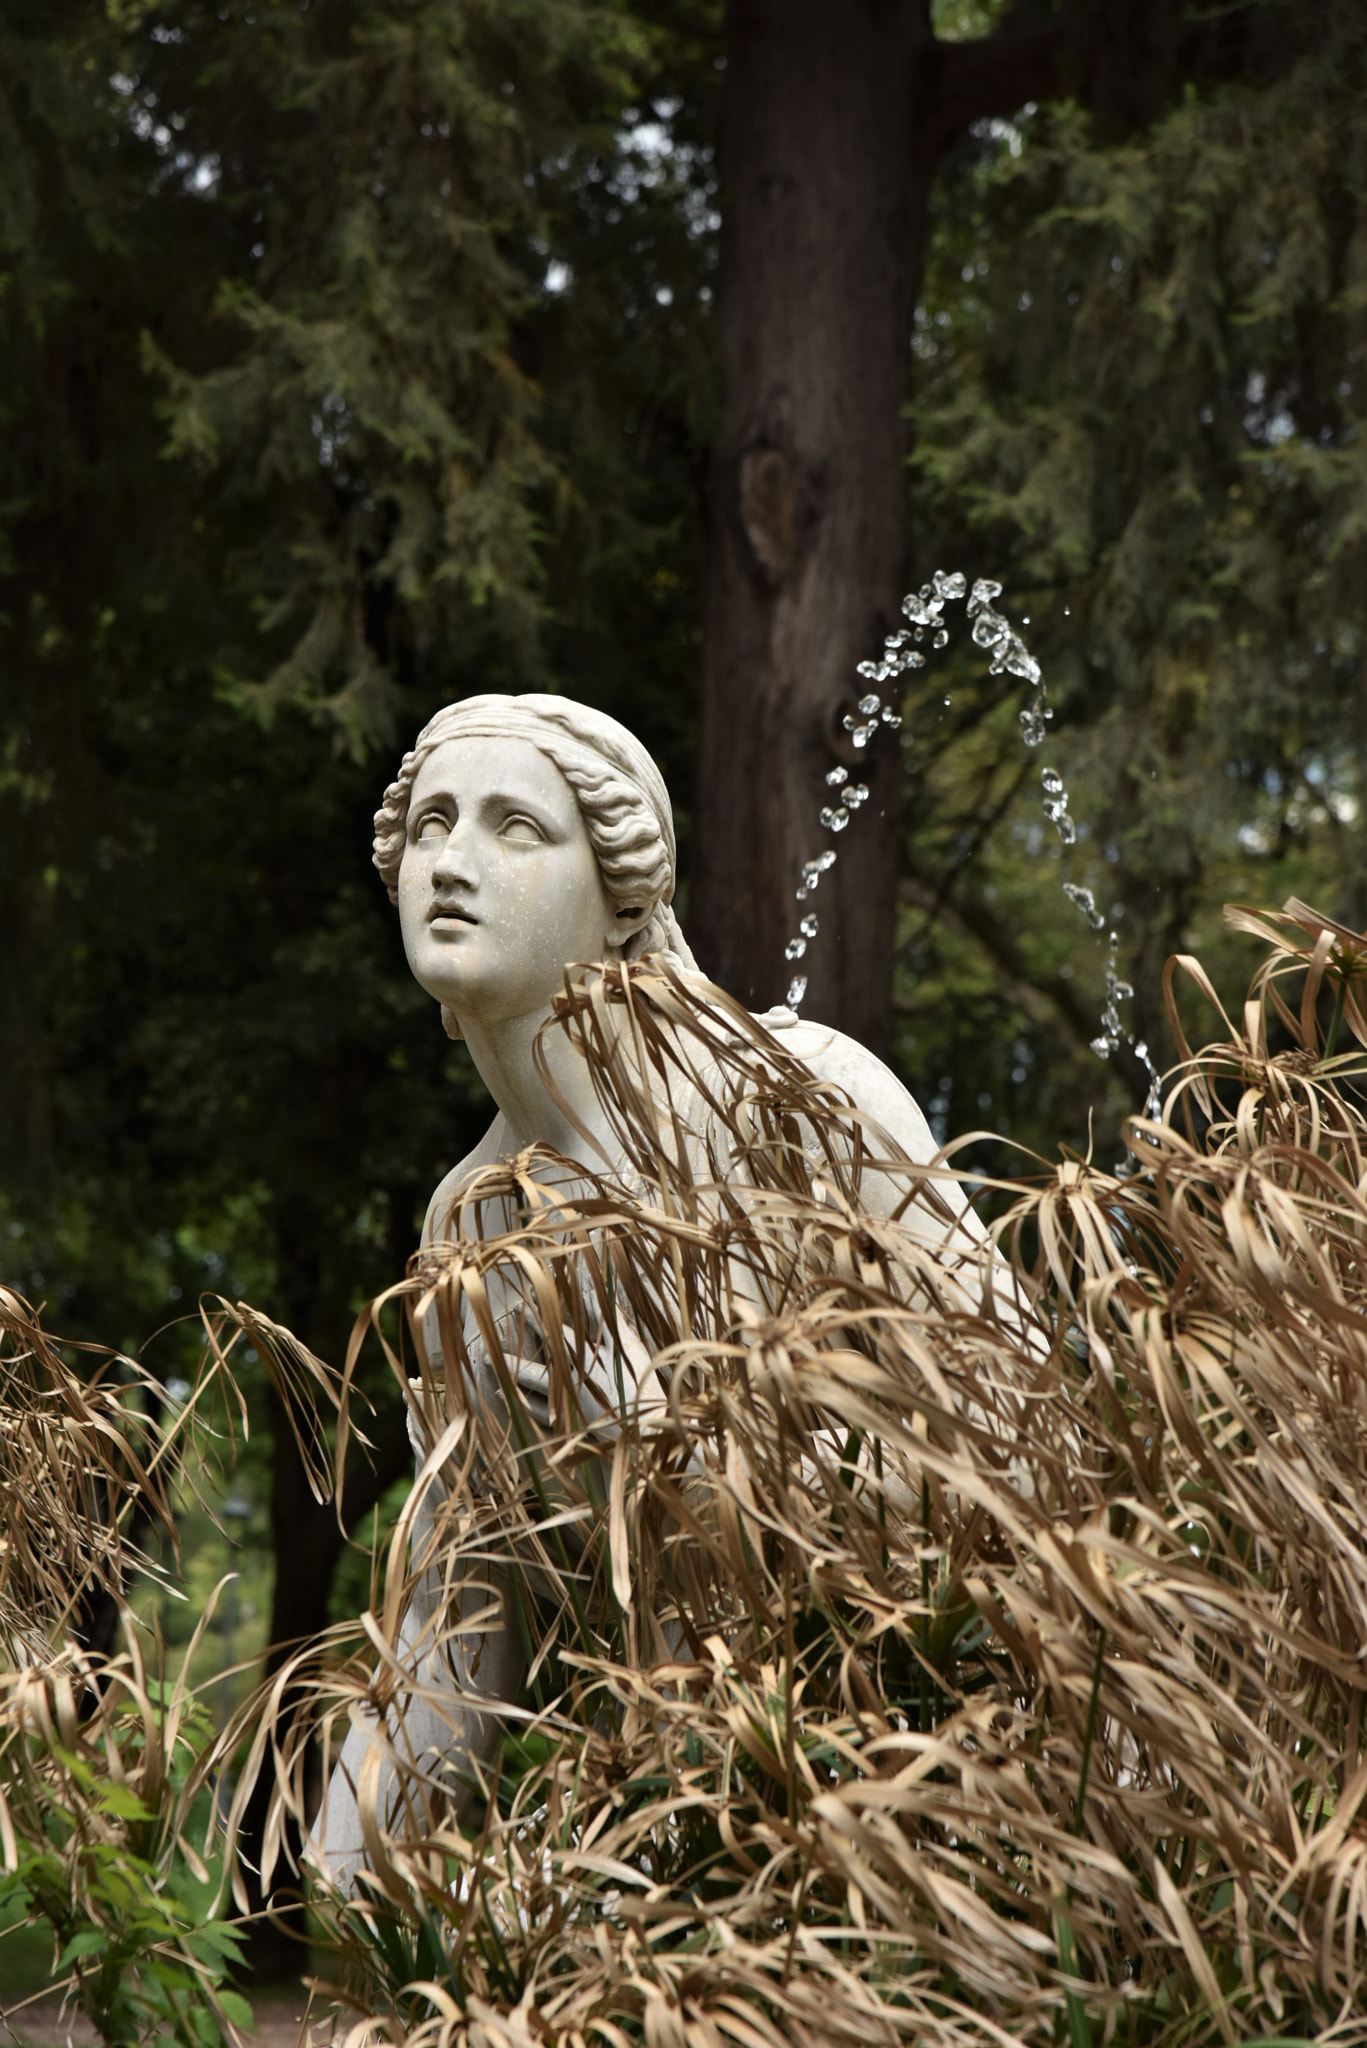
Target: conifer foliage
(1139, 402)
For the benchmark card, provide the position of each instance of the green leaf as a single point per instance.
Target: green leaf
(122, 1802)
(89, 1942)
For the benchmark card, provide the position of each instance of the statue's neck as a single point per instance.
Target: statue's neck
(505, 1057)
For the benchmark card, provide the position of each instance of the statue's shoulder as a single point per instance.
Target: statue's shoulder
(871, 1086)
(490, 1149)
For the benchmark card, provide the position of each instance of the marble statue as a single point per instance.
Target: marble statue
(522, 835)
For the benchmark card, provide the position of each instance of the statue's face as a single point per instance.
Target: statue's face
(499, 887)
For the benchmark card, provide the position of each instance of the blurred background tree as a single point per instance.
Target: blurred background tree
(358, 356)
(306, 430)
(1139, 395)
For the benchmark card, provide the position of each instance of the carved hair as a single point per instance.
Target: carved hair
(621, 795)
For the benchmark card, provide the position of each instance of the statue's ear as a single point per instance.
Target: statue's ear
(627, 925)
(628, 921)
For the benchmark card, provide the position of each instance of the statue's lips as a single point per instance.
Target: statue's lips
(446, 917)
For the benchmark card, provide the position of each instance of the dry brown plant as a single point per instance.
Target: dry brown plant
(78, 1456)
(110, 1835)
(914, 1654)
(918, 1649)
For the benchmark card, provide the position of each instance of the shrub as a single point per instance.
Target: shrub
(109, 1834)
(918, 1649)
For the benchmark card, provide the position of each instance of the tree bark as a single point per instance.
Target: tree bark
(825, 167)
(307, 1541)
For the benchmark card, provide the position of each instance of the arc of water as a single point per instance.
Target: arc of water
(1008, 653)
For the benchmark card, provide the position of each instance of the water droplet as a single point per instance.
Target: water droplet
(1033, 724)
(835, 820)
(868, 705)
(1085, 902)
(834, 775)
(797, 989)
(920, 634)
(951, 585)
(808, 926)
(862, 734)
(794, 949)
(1067, 830)
(1050, 777)
(982, 593)
(916, 609)
(988, 629)
(941, 638)
(854, 794)
(824, 860)
(803, 893)
(892, 719)
(1020, 660)
(915, 660)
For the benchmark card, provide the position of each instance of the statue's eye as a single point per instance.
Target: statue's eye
(521, 831)
(431, 828)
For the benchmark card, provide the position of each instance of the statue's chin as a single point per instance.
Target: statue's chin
(490, 1009)
(479, 1003)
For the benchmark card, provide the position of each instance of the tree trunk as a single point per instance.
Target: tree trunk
(307, 1543)
(825, 172)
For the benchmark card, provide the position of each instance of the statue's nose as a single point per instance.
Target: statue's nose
(456, 863)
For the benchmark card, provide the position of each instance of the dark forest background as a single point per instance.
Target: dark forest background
(359, 354)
